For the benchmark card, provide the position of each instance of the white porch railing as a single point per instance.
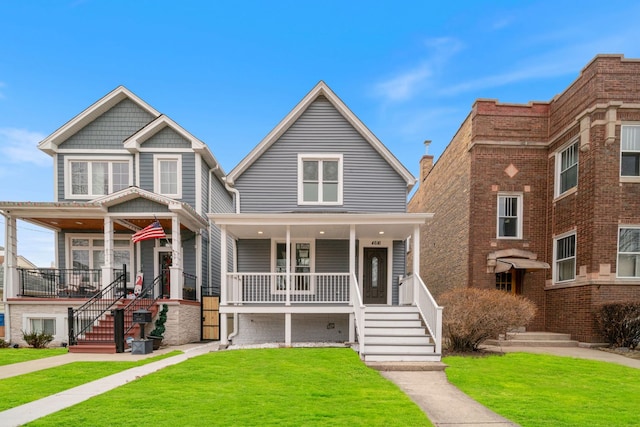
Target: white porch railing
(413, 291)
(358, 310)
(282, 288)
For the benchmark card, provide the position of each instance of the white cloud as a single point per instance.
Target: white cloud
(408, 83)
(20, 146)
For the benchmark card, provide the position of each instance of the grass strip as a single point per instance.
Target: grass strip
(259, 387)
(544, 390)
(17, 355)
(21, 389)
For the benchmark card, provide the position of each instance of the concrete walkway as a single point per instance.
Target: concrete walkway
(443, 403)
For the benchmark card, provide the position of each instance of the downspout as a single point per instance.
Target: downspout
(228, 185)
(211, 171)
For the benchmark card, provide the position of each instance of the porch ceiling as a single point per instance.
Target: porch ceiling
(321, 226)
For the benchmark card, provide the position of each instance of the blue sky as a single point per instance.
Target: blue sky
(228, 72)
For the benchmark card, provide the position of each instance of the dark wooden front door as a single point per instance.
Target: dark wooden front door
(374, 276)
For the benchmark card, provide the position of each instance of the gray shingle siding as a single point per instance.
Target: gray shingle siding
(166, 138)
(110, 129)
(140, 205)
(370, 183)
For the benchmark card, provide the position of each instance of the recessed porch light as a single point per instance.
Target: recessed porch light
(381, 232)
(79, 222)
(321, 232)
(259, 232)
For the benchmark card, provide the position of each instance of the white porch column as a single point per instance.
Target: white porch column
(223, 266)
(224, 334)
(416, 250)
(10, 257)
(176, 260)
(288, 264)
(287, 329)
(352, 259)
(107, 268)
(352, 327)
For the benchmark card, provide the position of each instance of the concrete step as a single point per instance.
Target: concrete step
(402, 357)
(539, 336)
(534, 339)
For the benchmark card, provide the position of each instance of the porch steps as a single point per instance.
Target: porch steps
(397, 334)
(534, 339)
(101, 338)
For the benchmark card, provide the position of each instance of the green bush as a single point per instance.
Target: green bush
(4, 344)
(471, 316)
(37, 339)
(159, 327)
(619, 323)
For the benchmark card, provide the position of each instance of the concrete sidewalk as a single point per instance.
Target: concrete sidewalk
(31, 411)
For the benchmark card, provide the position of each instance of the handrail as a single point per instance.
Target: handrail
(429, 309)
(147, 298)
(85, 317)
(359, 312)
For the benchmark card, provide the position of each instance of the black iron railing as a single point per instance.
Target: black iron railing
(83, 321)
(60, 282)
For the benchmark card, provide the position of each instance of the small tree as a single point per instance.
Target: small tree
(472, 316)
(159, 328)
(619, 323)
(37, 339)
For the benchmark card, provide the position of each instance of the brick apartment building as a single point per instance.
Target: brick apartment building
(542, 200)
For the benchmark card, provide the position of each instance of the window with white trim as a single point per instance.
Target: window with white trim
(630, 150)
(87, 253)
(319, 179)
(565, 258)
(42, 325)
(629, 252)
(168, 175)
(93, 178)
(509, 216)
(301, 266)
(567, 169)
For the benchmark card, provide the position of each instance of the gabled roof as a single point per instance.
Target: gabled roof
(321, 89)
(134, 142)
(50, 144)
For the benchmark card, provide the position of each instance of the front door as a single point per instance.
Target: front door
(510, 281)
(374, 276)
(164, 262)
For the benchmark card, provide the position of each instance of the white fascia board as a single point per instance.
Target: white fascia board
(321, 89)
(49, 144)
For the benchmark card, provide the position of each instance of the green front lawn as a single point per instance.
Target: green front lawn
(21, 389)
(17, 355)
(543, 390)
(293, 386)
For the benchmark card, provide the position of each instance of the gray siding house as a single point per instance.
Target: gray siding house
(120, 166)
(319, 230)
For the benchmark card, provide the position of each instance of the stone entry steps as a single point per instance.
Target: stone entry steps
(534, 339)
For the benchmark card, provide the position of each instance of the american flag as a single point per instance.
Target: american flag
(151, 231)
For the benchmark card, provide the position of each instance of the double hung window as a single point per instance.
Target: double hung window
(320, 179)
(565, 258)
(509, 216)
(168, 176)
(301, 265)
(630, 150)
(42, 325)
(87, 253)
(567, 169)
(88, 178)
(629, 252)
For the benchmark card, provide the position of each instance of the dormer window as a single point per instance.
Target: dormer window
(93, 178)
(319, 179)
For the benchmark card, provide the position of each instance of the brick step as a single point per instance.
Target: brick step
(96, 348)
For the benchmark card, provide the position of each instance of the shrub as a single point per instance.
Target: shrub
(37, 339)
(619, 323)
(159, 327)
(4, 344)
(471, 316)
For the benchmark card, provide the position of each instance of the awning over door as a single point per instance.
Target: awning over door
(505, 264)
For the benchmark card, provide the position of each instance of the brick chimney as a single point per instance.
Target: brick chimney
(426, 162)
